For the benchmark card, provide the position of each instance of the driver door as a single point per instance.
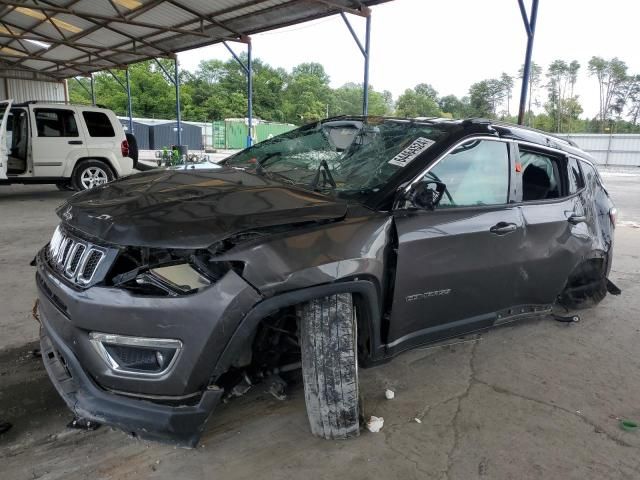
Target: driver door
(457, 264)
(5, 141)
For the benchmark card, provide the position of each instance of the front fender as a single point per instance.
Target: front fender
(369, 303)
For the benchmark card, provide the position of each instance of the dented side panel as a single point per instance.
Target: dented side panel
(351, 248)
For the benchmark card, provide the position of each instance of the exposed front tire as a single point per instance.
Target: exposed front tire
(91, 173)
(328, 335)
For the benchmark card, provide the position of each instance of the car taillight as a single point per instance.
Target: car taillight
(613, 215)
(124, 148)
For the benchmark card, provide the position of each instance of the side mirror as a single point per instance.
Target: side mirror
(426, 195)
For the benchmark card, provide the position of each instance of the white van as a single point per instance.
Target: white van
(75, 147)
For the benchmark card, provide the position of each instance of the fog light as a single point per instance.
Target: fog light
(136, 355)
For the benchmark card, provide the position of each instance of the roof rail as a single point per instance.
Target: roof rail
(535, 130)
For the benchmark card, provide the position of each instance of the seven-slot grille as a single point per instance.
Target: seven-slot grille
(75, 259)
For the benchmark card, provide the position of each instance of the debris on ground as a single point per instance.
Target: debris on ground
(628, 425)
(241, 388)
(374, 425)
(277, 387)
(80, 423)
(389, 394)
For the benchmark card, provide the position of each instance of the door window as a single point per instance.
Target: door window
(51, 122)
(575, 176)
(475, 173)
(540, 176)
(98, 124)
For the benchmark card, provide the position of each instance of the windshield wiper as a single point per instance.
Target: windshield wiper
(326, 175)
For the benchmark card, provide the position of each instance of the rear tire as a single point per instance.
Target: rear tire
(586, 286)
(91, 173)
(328, 336)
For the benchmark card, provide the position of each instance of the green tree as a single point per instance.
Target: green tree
(347, 100)
(454, 106)
(420, 101)
(611, 75)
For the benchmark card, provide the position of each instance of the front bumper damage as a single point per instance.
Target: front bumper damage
(172, 407)
(182, 425)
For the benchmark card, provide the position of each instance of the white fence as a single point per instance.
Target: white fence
(617, 149)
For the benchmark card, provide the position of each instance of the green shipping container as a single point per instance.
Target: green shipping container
(219, 138)
(232, 134)
(264, 131)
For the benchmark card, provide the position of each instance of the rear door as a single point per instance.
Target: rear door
(5, 141)
(58, 140)
(457, 264)
(556, 235)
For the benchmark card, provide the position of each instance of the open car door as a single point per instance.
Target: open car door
(5, 141)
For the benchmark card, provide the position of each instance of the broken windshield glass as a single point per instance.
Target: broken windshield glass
(341, 155)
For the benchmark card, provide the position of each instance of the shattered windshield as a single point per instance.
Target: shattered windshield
(340, 155)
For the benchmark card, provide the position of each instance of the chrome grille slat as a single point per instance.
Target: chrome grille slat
(77, 260)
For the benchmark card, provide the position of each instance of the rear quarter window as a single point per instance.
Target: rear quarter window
(53, 122)
(576, 182)
(590, 175)
(98, 124)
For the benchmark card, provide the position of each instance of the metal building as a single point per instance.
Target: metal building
(141, 130)
(164, 134)
(22, 87)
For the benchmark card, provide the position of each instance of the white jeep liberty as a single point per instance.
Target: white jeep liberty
(75, 147)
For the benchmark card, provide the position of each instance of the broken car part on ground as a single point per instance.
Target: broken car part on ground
(334, 246)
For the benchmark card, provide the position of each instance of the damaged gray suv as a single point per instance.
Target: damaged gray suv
(329, 248)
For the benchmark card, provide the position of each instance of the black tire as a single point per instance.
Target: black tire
(86, 167)
(133, 148)
(328, 336)
(586, 286)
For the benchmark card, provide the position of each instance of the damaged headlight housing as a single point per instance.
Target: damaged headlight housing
(182, 278)
(168, 272)
(136, 355)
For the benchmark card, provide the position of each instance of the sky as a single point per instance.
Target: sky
(451, 44)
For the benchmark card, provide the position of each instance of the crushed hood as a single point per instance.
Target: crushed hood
(191, 209)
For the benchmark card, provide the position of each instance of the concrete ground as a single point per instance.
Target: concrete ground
(534, 400)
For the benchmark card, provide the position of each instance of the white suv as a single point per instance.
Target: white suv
(75, 147)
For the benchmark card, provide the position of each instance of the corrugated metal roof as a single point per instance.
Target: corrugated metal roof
(85, 36)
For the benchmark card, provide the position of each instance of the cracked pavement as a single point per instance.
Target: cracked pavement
(535, 399)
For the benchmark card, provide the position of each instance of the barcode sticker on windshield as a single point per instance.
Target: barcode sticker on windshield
(412, 151)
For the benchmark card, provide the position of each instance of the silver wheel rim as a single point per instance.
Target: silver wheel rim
(93, 177)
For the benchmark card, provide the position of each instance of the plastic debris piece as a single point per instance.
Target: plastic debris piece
(374, 425)
(390, 394)
(277, 387)
(81, 423)
(417, 420)
(628, 425)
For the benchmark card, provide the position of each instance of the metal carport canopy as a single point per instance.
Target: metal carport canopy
(85, 36)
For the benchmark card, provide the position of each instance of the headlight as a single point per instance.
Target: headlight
(136, 355)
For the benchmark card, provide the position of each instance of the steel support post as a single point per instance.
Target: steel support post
(365, 50)
(248, 70)
(93, 91)
(129, 100)
(249, 95)
(530, 27)
(176, 82)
